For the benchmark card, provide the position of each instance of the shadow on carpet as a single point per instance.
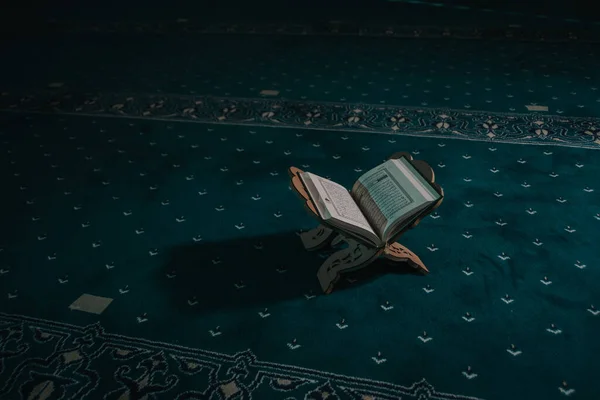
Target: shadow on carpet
(242, 273)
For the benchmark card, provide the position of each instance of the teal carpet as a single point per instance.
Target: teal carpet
(177, 207)
(502, 76)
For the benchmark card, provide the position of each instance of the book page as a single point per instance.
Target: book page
(391, 192)
(335, 201)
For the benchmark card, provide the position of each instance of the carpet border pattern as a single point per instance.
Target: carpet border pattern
(533, 128)
(74, 351)
(338, 29)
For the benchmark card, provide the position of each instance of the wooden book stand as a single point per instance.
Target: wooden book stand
(358, 254)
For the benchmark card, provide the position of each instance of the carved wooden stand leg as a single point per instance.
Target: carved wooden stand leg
(317, 238)
(398, 253)
(353, 257)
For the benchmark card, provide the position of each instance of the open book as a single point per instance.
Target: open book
(380, 205)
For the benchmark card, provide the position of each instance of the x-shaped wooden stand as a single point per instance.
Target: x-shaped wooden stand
(356, 254)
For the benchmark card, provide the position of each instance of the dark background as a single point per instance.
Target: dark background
(29, 15)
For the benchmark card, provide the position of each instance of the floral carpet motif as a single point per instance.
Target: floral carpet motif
(561, 35)
(49, 360)
(441, 123)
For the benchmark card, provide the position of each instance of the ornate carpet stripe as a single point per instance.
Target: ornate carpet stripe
(65, 345)
(394, 120)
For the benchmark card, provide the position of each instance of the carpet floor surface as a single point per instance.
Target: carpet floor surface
(157, 189)
(129, 210)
